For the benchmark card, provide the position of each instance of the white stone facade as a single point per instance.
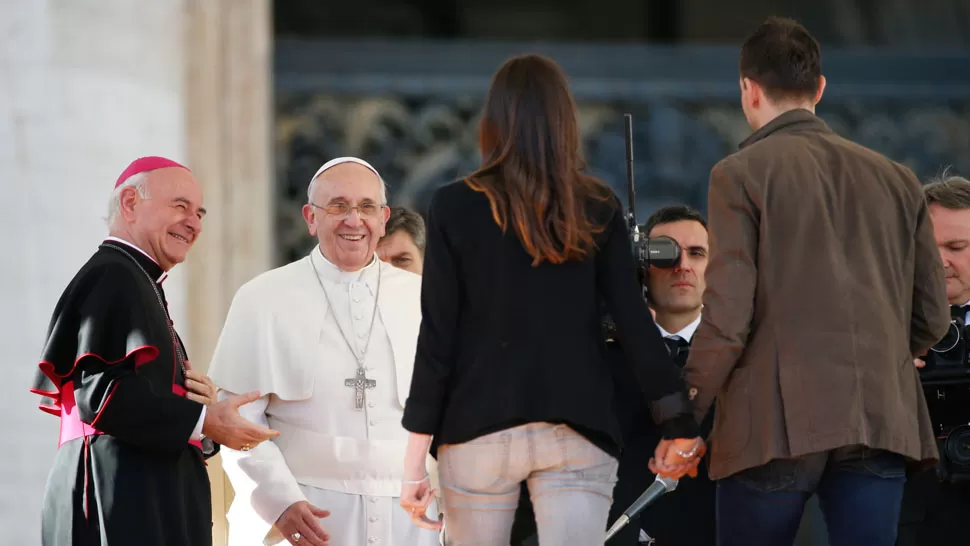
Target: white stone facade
(85, 87)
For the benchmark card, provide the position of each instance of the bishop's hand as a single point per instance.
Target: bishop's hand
(226, 427)
(300, 525)
(200, 388)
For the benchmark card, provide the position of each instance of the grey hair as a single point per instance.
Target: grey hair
(313, 188)
(139, 181)
(948, 191)
(410, 222)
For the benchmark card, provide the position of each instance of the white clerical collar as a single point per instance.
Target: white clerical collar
(687, 332)
(161, 277)
(330, 272)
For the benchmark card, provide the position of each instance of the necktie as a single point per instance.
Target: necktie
(959, 311)
(677, 347)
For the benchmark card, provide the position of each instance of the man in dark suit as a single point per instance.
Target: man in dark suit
(933, 510)
(686, 516)
(823, 284)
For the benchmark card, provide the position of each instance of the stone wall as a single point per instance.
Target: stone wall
(87, 86)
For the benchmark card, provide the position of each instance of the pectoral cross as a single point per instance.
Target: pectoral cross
(360, 383)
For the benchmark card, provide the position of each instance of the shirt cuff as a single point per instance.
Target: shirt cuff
(197, 431)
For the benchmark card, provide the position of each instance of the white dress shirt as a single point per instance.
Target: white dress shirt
(685, 333)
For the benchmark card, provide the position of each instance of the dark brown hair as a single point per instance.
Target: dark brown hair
(783, 58)
(532, 166)
(673, 213)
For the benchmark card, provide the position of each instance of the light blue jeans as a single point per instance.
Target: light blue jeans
(570, 484)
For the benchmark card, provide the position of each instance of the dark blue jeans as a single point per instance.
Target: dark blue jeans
(859, 490)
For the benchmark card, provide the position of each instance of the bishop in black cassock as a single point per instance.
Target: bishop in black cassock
(127, 470)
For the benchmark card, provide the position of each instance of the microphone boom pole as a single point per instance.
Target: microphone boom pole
(630, 187)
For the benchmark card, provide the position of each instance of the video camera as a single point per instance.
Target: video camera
(946, 384)
(663, 251)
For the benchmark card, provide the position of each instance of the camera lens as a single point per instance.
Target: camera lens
(958, 446)
(662, 252)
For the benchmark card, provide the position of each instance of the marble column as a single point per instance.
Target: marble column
(228, 131)
(86, 86)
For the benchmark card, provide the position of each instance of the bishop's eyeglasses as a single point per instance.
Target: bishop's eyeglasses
(367, 209)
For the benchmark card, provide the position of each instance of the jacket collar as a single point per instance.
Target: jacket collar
(798, 119)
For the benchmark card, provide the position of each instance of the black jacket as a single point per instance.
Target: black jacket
(503, 343)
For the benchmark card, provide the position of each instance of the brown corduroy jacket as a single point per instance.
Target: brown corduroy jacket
(824, 281)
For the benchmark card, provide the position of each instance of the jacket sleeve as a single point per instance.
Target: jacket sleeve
(107, 348)
(931, 315)
(731, 277)
(114, 399)
(435, 351)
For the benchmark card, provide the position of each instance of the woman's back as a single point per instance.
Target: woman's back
(515, 342)
(510, 374)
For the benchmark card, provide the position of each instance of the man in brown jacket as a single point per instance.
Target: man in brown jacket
(824, 282)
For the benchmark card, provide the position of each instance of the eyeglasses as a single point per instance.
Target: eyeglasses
(364, 210)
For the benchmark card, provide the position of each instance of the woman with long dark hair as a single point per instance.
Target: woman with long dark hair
(510, 380)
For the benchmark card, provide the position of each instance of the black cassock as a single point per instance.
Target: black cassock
(125, 471)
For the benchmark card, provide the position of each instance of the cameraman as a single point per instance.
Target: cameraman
(686, 517)
(934, 512)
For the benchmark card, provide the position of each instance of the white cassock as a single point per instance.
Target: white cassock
(281, 339)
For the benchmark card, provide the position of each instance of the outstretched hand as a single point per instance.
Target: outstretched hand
(225, 426)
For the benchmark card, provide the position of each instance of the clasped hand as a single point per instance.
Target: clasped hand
(677, 457)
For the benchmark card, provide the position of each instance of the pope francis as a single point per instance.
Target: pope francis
(329, 342)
